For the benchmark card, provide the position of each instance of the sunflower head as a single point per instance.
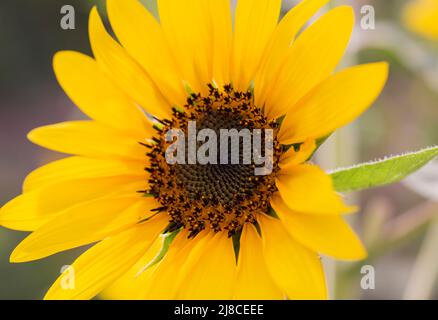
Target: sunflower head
(214, 196)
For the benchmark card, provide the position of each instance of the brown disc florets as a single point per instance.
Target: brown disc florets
(220, 197)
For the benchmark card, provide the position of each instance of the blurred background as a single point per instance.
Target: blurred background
(398, 223)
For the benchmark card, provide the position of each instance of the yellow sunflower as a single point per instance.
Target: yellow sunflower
(235, 235)
(421, 16)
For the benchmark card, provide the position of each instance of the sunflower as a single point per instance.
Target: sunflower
(421, 16)
(163, 231)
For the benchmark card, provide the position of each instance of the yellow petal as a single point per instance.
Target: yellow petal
(73, 168)
(222, 30)
(131, 284)
(213, 276)
(83, 224)
(292, 158)
(311, 59)
(254, 24)
(124, 71)
(334, 103)
(187, 26)
(308, 189)
(296, 270)
(131, 22)
(254, 281)
(165, 280)
(281, 40)
(33, 209)
(95, 94)
(328, 235)
(104, 263)
(88, 138)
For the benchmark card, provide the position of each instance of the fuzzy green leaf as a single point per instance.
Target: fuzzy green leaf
(382, 172)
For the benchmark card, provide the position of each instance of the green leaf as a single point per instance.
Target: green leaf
(236, 244)
(383, 172)
(167, 241)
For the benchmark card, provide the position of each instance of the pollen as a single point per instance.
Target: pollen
(217, 197)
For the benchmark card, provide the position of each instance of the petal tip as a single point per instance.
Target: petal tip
(32, 135)
(17, 256)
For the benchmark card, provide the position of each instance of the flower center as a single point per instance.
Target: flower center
(223, 195)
